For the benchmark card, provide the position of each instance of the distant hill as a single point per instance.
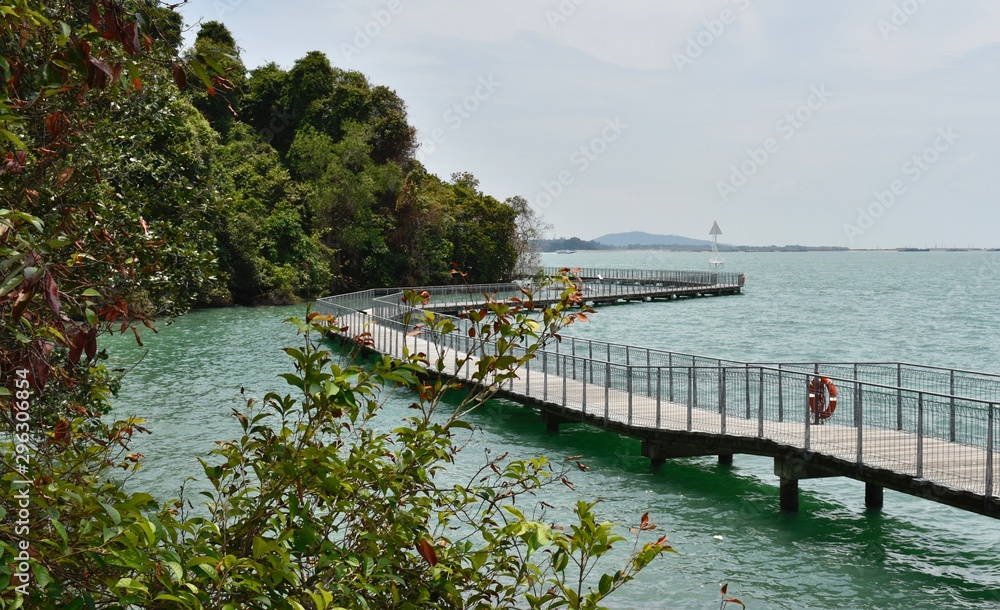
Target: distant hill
(639, 238)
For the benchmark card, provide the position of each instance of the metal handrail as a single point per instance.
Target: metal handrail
(762, 400)
(608, 350)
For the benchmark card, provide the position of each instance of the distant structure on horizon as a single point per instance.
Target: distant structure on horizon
(716, 261)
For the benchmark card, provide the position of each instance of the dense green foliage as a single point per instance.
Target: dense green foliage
(122, 200)
(326, 160)
(284, 184)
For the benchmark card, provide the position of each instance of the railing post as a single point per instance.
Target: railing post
(564, 381)
(722, 400)
(920, 435)
(951, 419)
(527, 376)
(691, 390)
(760, 404)
(694, 382)
(590, 345)
(991, 424)
(659, 371)
(572, 341)
(859, 420)
(808, 422)
(747, 397)
(545, 375)
(649, 378)
(607, 390)
(670, 363)
(558, 371)
(628, 372)
(585, 385)
(781, 396)
(899, 396)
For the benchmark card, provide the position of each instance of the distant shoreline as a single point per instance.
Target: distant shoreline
(759, 249)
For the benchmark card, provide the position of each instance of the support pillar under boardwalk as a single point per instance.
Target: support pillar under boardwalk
(874, 496)
(790, 470)
(790, 495)
(726, 459)
(552, 421)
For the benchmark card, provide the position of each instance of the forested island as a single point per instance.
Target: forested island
(272, 185)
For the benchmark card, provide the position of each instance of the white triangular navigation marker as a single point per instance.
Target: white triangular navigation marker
(716, 260)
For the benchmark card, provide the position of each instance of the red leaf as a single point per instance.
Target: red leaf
(76, 347)
(138, 340)
(137, 84)
(644, 521)
(427, 552)
(51, 293)
(62, 432)
(101, 65)
(130, 38)
(90, 345)
(39, 373)
(725, 588)
(733, 600)
(180, 77)
(95, 15)
(64, 177)
(21, 303)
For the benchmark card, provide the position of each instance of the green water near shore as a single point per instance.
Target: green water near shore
(933, 308)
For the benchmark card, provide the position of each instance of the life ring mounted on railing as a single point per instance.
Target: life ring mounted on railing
(822, 398)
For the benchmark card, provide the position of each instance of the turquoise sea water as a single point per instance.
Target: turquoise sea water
(931, 308)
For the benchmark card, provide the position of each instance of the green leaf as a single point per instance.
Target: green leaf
(605, 585)
(42, 576)
(13, 139)
(62, 534)
(198, 68)
(76, 604)
(172, 598)
(12, 281)
(131, 584)
(90, 292)
(177, 570)
(116, 517)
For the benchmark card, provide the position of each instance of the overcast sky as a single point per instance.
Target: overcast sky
(862, 123)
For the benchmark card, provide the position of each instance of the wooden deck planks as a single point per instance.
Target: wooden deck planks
(947, 464)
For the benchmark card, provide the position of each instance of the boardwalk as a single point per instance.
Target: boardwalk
(925, 431)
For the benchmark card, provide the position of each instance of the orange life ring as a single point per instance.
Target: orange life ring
(819, 404)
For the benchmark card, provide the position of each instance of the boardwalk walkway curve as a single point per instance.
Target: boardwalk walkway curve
(922, 430)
